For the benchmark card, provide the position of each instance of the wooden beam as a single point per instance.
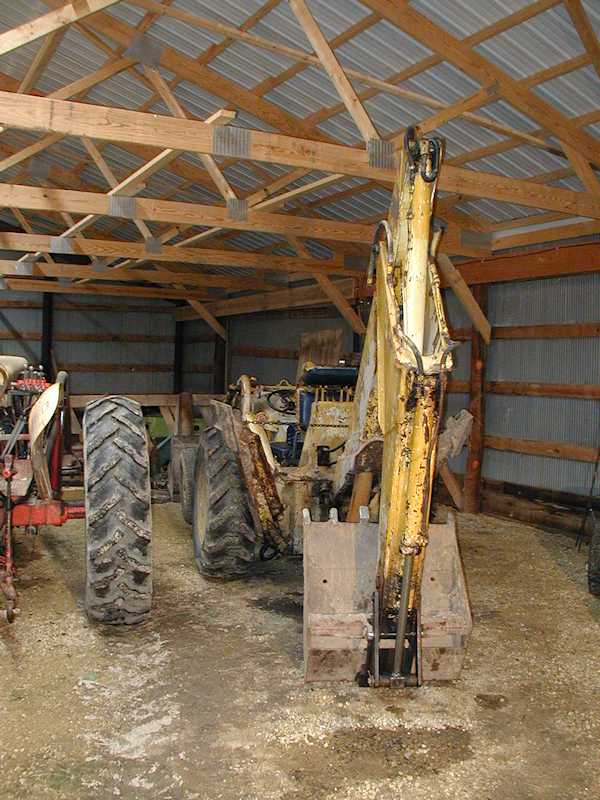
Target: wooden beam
(330, 289)
(570, 452)
(115, 124)
(571, 391)
(400, 13)
(188, 69)
(203, 312)
(50, 22)
(547, 263)
(40, 60)
(586, 32)
(113, 248)
(81, 271)
(465, 296)
(472, 487)
(146, 400)
(527, 389)
(92, 203)
(269, 301)
(332, 66)
(567, 330)
(26, 285)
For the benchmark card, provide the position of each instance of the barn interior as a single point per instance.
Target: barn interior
(200, 203)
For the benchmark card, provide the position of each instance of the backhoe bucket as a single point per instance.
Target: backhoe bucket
(340, 565)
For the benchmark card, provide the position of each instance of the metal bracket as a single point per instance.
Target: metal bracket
(153, 245)
(99, 264)
(144, 49)
(39, 168)
(120, 206)
(231, 141)
(61, 244)
(381, 154)
(24, 268)
(237, 208)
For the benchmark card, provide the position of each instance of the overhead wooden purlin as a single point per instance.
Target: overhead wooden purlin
(296, 143)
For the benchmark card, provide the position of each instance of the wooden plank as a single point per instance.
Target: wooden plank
(40, 60)
(204, 313)
(188, 255)
(586, 32)
(169, 418)
(472, 487)
(331, 290)
(585, 391)
(547, 263)
(465, 296)
(52, 21)
(75, 271)
(92, 203)
(146, 400)
(452, 484)
(568, 451)
(575, 391)
(332, 66)
(121, 125)
(568, 330)
(482, 70)
(269, 301)
(25, 285)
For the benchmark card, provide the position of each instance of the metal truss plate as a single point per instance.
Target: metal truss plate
(153, 245)
(120, 206)
(381, 154)
(144, 49)
(61, 244)
(237, 208)
(229, 140)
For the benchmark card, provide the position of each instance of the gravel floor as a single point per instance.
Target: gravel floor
(207, 701)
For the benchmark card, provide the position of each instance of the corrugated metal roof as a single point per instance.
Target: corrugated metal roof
(381, 50)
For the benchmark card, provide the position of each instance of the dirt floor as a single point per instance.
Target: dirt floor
(207, 699)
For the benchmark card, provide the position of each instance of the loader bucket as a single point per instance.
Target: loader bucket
(340, 566)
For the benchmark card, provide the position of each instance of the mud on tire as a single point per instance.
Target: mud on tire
(223, 531)
(118, 587)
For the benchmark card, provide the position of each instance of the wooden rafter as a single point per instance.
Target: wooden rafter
(112, 248)
(68, 118)
(62, 17)
(400, 13)
(336, 74)
(586, 32)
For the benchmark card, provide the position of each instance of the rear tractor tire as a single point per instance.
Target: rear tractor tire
(118, 588)
(223, 530)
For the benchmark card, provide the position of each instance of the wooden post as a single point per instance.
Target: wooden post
(220, 361)
(178, 359)
(472, 487)
(47, 323)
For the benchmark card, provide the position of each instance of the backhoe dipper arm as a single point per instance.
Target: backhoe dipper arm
(413, 356)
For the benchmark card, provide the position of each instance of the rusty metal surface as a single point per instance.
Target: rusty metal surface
(446, 620)
(340, 561)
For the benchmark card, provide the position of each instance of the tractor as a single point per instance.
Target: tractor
(341, 465)
(35, 440)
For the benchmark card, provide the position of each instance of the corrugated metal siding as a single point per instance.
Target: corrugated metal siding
(196, 354)
(284, 332)
(81, 320)
(574, 299)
